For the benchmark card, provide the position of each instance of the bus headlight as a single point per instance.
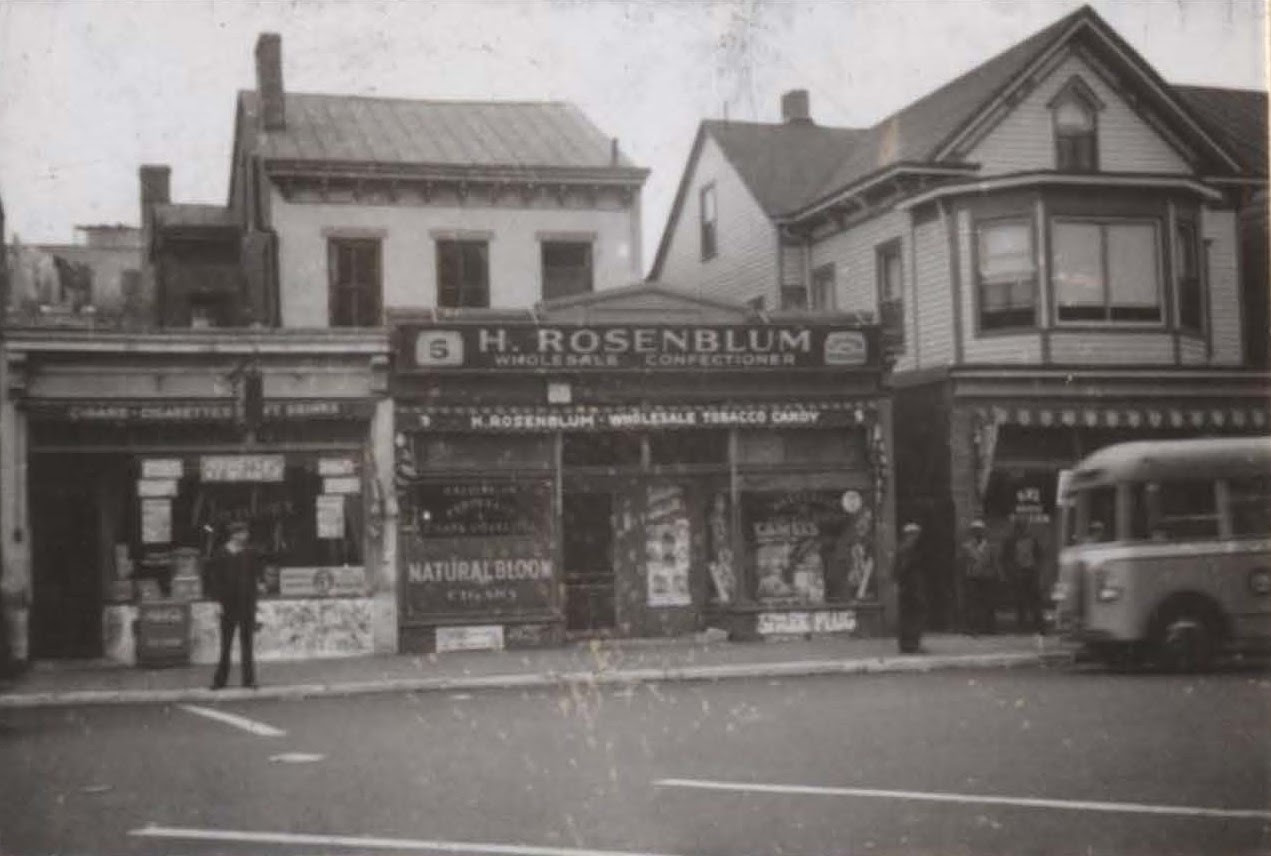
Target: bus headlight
(1260, 581)
(1105, 590)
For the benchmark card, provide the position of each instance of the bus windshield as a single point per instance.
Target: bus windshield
(1091, 516)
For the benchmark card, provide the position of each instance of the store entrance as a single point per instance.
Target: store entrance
(587, 529)
(67, 599)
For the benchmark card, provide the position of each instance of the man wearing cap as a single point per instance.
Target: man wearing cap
(981, 575)
(236, 575)
(909, 595)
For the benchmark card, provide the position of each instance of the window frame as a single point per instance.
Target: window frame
(1108, 321)
(1067, 157)
(893, 247)
(588, 244)
(1030, 227)
(823, 288)
(336, 244)
(708, 228)
(441, 244)
(1196, 280)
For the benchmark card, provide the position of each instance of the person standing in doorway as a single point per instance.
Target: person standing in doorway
(981, 575)
(909, 595)
(1024, 561)
(236, 575)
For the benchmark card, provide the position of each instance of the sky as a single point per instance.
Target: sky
(90, 90)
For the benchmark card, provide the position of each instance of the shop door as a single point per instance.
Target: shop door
(588, 561)
(67, 589)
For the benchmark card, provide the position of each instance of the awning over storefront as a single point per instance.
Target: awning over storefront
(1141, 416)
(786, 414)
(140, 411)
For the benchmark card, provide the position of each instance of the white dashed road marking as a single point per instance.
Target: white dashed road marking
(296, 758)
(368, 843)
(258, 728)
(969, 799)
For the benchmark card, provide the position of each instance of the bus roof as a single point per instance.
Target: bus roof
(1154, 459)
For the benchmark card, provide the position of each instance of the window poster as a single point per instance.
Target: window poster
(329, 510)
(156, 521)
(719, 532)
(667, 546)
(809, 548)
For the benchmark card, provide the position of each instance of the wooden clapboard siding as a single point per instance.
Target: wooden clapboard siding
(745, 264)
(933, 298)
(1024, 140)
(1192, 351)
(852, 254)
(1219, 231)
(1114, 347)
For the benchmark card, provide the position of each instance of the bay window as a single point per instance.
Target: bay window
(1106, 271)
(1006, 274)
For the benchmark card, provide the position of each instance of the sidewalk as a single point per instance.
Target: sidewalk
(610, 662)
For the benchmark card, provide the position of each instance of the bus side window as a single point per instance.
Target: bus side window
(1250, 505)
(1187, 510)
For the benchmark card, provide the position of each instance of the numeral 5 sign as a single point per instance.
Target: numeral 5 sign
(439, 348)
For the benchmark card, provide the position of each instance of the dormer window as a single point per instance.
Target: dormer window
(1075, 113)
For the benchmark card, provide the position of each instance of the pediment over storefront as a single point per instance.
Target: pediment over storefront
(643, 303)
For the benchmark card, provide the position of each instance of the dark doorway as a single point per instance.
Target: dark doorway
(588, 561)
(67, 581)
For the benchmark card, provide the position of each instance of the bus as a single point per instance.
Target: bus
(1166, 551)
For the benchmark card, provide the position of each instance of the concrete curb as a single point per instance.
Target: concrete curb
(539, 680)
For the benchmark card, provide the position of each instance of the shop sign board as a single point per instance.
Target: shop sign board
(328, 467)
(162, 468)
(329, 513)
(619, 347)
(150, 411)
(163, 633)
(479, 576)
(803, 623)
(342, 485)
(482, 637)
(336, 581)
(156, 487)
(628, 418)
(156, 521)
(241, 468)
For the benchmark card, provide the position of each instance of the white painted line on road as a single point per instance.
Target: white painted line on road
(296, 758)
(969, 799)
(258, 728)
(362, 842)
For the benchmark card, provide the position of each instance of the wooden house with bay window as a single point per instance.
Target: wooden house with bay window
(1064, 249)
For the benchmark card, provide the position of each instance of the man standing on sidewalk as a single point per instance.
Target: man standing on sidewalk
(909, 594)
(980, 571)
(1023, 557)
(236, 575)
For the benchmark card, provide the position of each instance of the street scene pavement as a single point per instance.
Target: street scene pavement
(1056, 758)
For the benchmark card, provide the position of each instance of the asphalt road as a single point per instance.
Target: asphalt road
(1015, 761)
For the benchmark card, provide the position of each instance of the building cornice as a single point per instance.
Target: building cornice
(1057, 179)
(238, 342)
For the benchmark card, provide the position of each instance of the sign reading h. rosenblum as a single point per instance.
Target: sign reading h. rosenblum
(530, 347)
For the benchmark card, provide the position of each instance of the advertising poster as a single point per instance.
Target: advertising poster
(667, 547)
(330, 513)
(156, 521)
(722, 570)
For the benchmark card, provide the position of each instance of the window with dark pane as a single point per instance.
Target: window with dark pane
(688, 447)
(891, 301)
(1076, 138)
(463, 274)
(1187, 270)
(354, 272)
(823, 288)
(708, 215)
(567, 269)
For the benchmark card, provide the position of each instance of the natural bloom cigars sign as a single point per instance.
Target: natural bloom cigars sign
(650, 347)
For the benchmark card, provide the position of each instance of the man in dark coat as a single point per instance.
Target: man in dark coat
(236, 575)
(909, 594)
(981, 576)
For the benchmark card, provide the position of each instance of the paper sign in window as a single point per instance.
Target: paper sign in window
(156, 521)
(330, 513)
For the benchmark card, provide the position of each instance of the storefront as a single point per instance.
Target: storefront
(127, 495)
(584, 473)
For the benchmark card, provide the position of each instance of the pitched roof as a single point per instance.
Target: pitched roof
(348, 128)
(1237, 117)
(783, 165)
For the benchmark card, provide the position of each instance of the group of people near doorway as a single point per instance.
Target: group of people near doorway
(987, 574)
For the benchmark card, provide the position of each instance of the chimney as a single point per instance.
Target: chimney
(273, 115)
(794, 107)
(155, 182)
(614, 154)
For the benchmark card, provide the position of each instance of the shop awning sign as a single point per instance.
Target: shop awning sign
(795, 414)
(158, 411)
(1146, 417)
(572, 348)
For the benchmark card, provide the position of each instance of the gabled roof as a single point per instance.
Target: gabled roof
(468, 134)
(1237, 117)
(783, 165)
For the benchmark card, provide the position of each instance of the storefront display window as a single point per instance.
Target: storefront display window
(667, 546)
(810, 547)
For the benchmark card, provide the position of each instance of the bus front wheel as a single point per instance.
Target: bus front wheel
(1185, 637)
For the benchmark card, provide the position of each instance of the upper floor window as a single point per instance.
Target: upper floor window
(566, 268)
(463, 274)
(891, 301)
(708, 214)
(1191, 309)
(823, 288)
(1075, 114)
(1006, 274)
(1106, 271)
(353, 270)
(794, 297)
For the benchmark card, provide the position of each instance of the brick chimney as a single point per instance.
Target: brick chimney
(795, 108)
(273, 114)
(155, 187)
